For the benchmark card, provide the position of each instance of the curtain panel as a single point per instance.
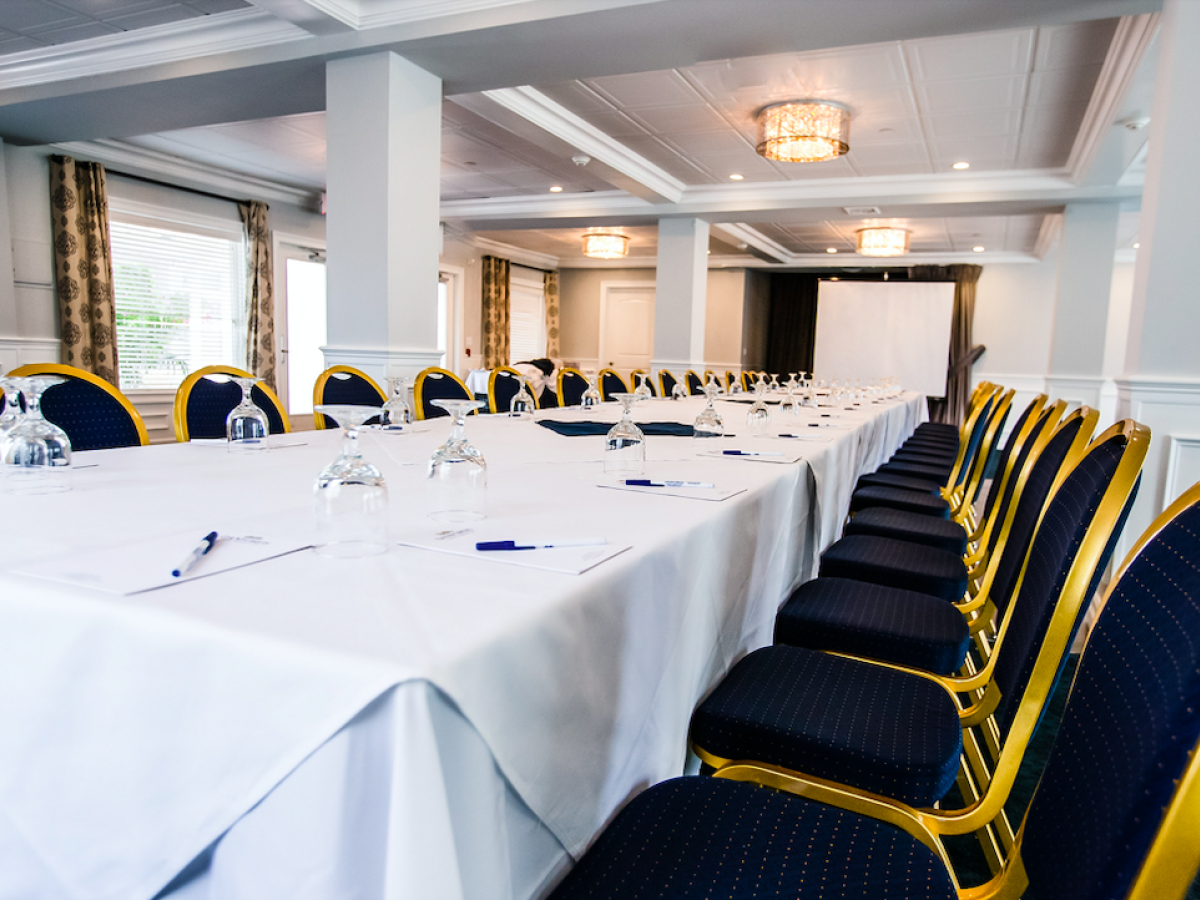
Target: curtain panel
(963, 352)
(551, 294)
(495, 311)
(792, 333)
(260, 291)
(83, 274)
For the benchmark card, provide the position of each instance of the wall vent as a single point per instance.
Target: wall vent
(862, 210)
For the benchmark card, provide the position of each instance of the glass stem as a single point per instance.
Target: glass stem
(350, 443)
(33, 405)
(459, 434)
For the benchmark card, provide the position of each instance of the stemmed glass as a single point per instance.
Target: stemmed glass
(396, 412)
(758, 419)
(591, 397)
(457, 470)
(678, 391)
(36, 454)
(522, 401)
(625, 445)
(11, 387)
(642, 391)
(709, 423)
(246, 426)
(350, 496)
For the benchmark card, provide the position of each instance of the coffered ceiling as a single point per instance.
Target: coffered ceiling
(1030, 94)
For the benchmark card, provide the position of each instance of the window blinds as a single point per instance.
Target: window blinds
(179, 303)
(526, 320)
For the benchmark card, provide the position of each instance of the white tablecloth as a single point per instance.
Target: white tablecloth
(412, 725)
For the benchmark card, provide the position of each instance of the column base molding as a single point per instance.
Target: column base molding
(381, 362)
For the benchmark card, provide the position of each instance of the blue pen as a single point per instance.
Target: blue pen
(749, 453)
(534, 545)
(196, 555)
(646, 482)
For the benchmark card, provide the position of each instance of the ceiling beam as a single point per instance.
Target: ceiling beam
(754, 241)
(314, 16)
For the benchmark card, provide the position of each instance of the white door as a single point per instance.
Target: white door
(626, 326)
(300, 326)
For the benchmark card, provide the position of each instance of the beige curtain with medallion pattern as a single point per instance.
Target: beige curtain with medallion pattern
(495, 311)
(260, 292)
(551, 294)
(83, 266)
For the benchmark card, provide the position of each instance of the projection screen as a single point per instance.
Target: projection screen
(873, 329)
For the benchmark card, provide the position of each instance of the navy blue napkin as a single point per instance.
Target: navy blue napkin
(580, 429)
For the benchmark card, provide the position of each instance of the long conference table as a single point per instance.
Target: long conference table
(420, 724)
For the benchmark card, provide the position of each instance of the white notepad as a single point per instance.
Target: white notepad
(785, 456)
(712, 494)
(461, 540)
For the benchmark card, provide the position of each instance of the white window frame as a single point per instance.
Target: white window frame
(528, 285)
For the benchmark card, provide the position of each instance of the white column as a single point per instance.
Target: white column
(1085, 273)
(1161, 384)
(384, 119)
(680, 295)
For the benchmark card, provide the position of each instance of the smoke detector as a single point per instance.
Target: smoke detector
(1136, 124)
(580, 159)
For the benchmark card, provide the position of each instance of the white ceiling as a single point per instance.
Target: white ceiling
(1013, 102)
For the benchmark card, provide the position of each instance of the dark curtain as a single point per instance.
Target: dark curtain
(792, 321)
(963, 353)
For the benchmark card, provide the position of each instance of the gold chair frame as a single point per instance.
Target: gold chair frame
(66, 371)
(600, 382)
(558, 386)
(179, 411)
(419, 385)
(319, 388)
(492, 408)
(662, 388)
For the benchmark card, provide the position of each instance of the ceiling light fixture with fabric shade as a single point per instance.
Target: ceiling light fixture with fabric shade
(605, 245)
(882, 241)
(803, 131)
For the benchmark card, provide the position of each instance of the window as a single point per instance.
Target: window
(526, 314)
(179, 300)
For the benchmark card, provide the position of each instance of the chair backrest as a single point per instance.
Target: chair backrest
(666, 383)
(346, 385)
(202, 405)
(571, 385)
(93, 413)
(633, 381)
(748, 381)
(503, 384)
(1114, 814)
(730, 378)
(976, 428)
(611, 383)
(695, 385)
(1027, 424)
(437, 384)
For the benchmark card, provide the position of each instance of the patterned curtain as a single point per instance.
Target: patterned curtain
(260, 292)
(963, 352)
(83, 266)
(551, 292)
(495, 312)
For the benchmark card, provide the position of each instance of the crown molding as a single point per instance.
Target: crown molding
(199, 176)
(203, 36)
(511, 253)
(767, 249)
(534, 106)
(1129, 43)
(1048, 234)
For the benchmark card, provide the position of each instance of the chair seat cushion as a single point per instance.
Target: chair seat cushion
(912, 527)
(937, 428)
(913, 567)
(940, 474)
(926, 457)
(907, 482)
(849, 721)
(939, 445)
(877, 622)
(898, 498)
(700, 838)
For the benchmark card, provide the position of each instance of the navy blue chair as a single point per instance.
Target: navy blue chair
(666, 383)
(503, 384)
(93, 413)
(611, 383)
(899, 733)
(437, 384)
(202, 405)
(1109, 818)
(348, 386)
(694, 383)
(571, 385)
(633, 381)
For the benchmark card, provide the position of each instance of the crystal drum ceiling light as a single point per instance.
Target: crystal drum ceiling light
(803, 130)
(882, 241)
(605, 245)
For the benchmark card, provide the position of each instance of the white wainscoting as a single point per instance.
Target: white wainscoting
(155, 408)
(16, 351)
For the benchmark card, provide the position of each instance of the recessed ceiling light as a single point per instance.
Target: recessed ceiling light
(835, 278)
(831, 249)
(978, 248)
(961, 165)
(1136, 246)
(556, 189)
(735, 176)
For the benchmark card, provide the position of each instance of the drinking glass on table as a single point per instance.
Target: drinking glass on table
(36, 454)
(522, 402)
(246, 426)
(678, 391)
(11, 388)
(591, 397)
(457, 471)
(396, 412)
(625, 445)
(758, 420)
(350, 496)
(709, 423)
(642, 391)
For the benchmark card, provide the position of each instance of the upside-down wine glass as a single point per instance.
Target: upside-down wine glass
(642, 391)
(625, 445)
(709, 423)
(679, 391)
(350, 496)
(246, 426)
(457, 471)
(521, 404)
(36, 454)
(11, 388)
(396, 412)
(758, 420)
(591, 397)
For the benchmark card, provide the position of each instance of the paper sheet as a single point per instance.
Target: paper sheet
(461, 540)
(713, 494)
(785, 456)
